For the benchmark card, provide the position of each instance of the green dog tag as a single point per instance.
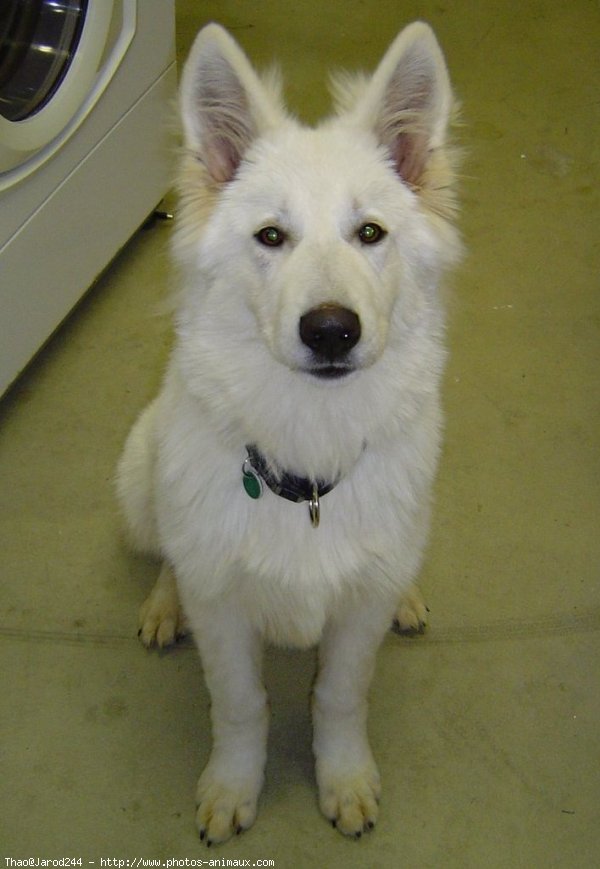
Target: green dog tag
(251, 481)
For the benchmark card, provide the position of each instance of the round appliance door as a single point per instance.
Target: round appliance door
(50, 54)
(38, 40)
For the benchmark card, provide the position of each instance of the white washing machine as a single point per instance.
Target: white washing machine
(86, 88)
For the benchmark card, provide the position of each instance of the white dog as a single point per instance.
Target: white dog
(283, 474)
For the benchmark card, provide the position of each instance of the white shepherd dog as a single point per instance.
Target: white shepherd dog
(283, 474)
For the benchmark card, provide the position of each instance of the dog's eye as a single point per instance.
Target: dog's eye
(371, 233)
(270, 236)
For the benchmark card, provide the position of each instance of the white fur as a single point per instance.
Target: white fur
(249, 571)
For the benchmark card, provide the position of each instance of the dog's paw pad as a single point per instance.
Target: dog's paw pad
(351, 804)
(411, 615)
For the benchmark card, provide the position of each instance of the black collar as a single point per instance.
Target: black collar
(287, 485)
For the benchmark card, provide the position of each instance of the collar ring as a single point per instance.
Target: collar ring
(314, 507)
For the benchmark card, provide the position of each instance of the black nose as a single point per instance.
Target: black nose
(330, 331)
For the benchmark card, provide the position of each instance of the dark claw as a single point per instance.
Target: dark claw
(333, 823)
(358, 835)
(370, 825)
(202, 835)
(239, 829)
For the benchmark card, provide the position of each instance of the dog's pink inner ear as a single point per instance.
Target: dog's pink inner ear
(227, 132)
(409, 152)
(220, 158)
(226, 125)
(408, 116)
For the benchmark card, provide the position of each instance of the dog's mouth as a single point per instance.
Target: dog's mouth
(330, 371)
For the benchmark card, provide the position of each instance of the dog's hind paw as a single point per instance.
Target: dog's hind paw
(158, 628)
(161, 620)
(411, 615)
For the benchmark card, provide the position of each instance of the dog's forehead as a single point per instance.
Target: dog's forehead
(318, 170)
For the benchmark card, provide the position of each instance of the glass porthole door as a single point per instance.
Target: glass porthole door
(38, 41)
(56, 59)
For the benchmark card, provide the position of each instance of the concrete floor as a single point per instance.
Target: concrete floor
(487, 730)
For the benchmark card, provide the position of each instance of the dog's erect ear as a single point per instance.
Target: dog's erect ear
(408, 101)
(224, 105)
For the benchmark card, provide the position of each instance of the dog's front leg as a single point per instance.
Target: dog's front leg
(347, 775)
(231, 652)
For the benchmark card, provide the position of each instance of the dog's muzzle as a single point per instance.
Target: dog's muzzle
(330, 331)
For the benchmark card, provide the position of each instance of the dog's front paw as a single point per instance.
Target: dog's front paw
(224, 808)
(350, 801)
(411, 615)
